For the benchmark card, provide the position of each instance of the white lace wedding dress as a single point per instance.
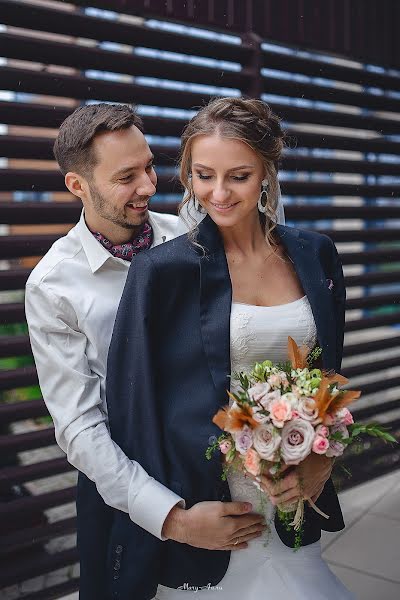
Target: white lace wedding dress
(267, 569)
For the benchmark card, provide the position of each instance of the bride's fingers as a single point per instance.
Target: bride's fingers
(275, 488)
(293, 494)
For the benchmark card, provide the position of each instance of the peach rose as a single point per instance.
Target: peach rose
(252, 462)
(280, 411)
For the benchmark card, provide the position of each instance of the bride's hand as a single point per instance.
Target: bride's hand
(306, 480)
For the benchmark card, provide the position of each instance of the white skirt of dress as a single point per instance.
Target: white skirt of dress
(267, 569)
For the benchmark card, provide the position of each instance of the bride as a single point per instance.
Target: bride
(194, 310)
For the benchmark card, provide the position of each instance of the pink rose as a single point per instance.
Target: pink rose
(252, 462)
(320, 444)
(243, 439)
(225, 446)
(280, 411)
(344, 416)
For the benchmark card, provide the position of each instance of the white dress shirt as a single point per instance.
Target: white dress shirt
(71, 301)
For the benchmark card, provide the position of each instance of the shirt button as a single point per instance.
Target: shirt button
(117, 565)
(118, 549)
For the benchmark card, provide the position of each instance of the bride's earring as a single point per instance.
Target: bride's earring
(198, 206)
(262, 200)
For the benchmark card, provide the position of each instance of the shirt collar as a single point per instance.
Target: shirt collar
(97, 255)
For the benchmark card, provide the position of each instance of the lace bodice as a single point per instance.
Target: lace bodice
(259, 333)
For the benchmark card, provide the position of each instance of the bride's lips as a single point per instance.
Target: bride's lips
(224, 208)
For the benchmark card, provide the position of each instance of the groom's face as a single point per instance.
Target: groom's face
(123, 180)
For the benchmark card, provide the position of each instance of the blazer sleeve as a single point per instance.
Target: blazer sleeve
(131, 399)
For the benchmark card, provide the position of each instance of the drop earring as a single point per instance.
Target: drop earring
(262, 200)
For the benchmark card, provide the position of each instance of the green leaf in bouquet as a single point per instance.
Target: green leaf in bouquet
(314, 355)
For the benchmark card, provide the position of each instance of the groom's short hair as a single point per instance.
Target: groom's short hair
(73, 147)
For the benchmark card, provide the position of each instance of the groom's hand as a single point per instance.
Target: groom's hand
(214, 525)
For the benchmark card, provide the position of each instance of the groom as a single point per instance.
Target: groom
(71, 302)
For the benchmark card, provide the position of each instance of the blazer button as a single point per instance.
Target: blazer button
(212, 440)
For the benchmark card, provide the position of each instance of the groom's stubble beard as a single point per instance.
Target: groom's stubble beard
(105, 208)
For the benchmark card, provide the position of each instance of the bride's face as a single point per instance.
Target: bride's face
(226, 178)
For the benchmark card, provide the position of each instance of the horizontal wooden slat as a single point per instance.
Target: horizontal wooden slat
(32, 115)
(15, 246)
(22, 14)
(12, 313)
(16, 378)
(54, 592)
(20, 442)
(73, 55)
(18, 411)
(370, 322)
(378, 386)
(15, 213)
(371, 346)
(34, 503)
(83, 88)
(20, 113)
(373, 410)
(41, 180)
(17, 345)
(371, 367)
(13, 279)
(372, 301)
(371, 257)
(16, 571)
(294, 63)
(373, 234)
(23, 473)
(41, 148)
(336, 95)
(372, 278)
(18, 540)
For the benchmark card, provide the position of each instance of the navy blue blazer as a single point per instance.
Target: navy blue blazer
(167, 375)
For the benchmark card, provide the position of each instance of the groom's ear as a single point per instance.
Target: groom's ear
(76, 184)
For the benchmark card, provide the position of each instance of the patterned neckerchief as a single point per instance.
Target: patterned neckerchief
(127, 251)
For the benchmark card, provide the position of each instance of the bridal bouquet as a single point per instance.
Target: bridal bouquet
(280, 414)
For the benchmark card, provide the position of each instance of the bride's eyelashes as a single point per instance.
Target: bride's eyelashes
(237, 178)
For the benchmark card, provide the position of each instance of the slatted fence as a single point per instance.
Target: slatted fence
(340, 175)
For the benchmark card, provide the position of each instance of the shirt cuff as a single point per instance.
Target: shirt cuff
(151, 505)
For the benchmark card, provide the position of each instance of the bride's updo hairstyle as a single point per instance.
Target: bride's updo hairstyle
(250, 121)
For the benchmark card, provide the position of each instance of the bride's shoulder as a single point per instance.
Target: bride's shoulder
(314, 237)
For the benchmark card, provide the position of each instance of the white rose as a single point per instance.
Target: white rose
(266, 441)
(258, 391)
(307, 410)
(297, 440)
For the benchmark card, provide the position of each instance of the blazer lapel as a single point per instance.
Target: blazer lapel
(309, 270)
(215, 305)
